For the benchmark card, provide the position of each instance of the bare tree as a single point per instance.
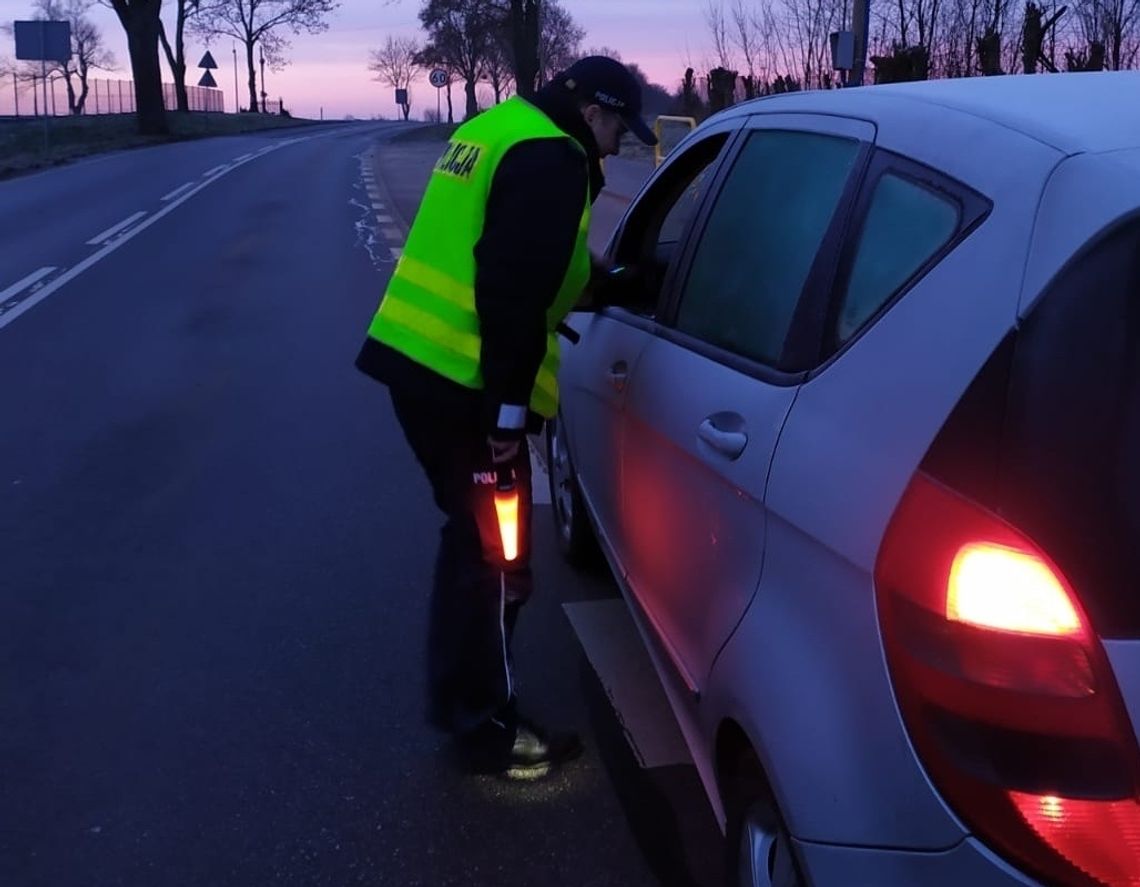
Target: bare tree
(460, 33)
(748, 38)
(396, 65)
(142, 22)
(429, 58)
(498, 67)
(560, 40)
(607, 51)
(176, 54)
(956, 55)
(717, 22)
(255, 22)
(808, 24)
(1114, 24)
(87, 50)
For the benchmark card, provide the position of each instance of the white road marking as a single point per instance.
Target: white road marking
(21, 285)
(216, 170)
(178, 191)
(396, 252)
(540, 480)
(376, 205)
(392, 233)
(100, 239)
(243, 158)
(613, 645)
(96, 257)
(383, 219)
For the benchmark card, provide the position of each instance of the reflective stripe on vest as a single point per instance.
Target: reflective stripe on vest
(428, 312)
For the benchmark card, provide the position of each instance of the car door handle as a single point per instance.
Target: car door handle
(729, 444)
(618, 374)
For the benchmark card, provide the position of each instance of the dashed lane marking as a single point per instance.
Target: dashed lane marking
(20, 285)
(100, 239)
(177, 192)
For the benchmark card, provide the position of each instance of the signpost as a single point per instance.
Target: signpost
(43, 42)
(439, 79)
(209, 66)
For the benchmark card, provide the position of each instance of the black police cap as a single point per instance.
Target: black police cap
(606, 82)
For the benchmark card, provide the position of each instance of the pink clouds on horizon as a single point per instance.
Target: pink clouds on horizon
(330, 70)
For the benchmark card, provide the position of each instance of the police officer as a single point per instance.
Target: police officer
(465, 341)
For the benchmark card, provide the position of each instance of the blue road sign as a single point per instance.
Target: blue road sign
(43, 41)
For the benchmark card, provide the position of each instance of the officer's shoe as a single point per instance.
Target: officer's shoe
(530, 754)
(535, 752)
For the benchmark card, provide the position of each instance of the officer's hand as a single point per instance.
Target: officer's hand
(503, 450)
(600, 265)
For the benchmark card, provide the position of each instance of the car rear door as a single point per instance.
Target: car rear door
(714, 385)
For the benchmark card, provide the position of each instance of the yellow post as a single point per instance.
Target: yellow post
(658, 156)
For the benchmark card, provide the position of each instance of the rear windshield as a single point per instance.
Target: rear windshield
(1069, 473)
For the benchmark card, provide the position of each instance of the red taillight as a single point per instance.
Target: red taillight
(993, 586)
(1006, 691)
(1100, 837)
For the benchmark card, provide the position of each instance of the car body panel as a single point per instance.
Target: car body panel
(1084, 194)
(593, 402)
(1124, 656)
(808, 657)
(970, 862)
(803, 673)
(692, 527)
(886, 396)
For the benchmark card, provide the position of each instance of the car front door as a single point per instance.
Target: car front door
(596, 369)
(714, 385)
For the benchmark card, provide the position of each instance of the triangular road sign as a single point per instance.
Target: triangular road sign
(207, 61)
(208, 80)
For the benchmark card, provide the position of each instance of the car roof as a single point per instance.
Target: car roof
(1074, 112)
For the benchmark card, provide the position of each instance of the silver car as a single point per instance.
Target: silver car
(859, 436)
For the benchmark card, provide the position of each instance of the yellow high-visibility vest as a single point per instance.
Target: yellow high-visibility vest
(428, 311)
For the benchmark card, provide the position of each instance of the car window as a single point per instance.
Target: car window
(762, 237)
(677, 218)
(906, 225)
(658, 221)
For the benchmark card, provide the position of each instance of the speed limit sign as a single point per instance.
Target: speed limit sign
(438, 78)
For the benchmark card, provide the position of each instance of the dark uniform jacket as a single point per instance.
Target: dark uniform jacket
(533, 212)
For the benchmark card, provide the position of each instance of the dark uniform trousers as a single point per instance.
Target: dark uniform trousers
(476, 594)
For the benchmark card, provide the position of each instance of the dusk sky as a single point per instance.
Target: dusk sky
(330, 70)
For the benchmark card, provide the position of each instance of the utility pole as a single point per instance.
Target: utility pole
(16, 91)
(861, 28)
(237, 100)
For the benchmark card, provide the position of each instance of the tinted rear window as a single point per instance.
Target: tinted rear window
(1070, 467)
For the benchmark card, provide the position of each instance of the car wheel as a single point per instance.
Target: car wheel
(760, 851)
(575, 535)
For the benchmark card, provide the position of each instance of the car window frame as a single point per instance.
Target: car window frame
(973, 210)
(730, 127)
(804, 331)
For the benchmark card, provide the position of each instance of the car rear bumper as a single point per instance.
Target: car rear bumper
(970, 862)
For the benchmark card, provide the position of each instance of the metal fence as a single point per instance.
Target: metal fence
(24, 97)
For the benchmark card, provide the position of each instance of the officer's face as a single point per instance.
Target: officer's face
(608, 128)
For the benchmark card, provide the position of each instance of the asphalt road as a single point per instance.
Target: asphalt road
(215, 549)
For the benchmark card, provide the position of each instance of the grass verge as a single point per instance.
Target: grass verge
(434, 132)
(70, 138)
